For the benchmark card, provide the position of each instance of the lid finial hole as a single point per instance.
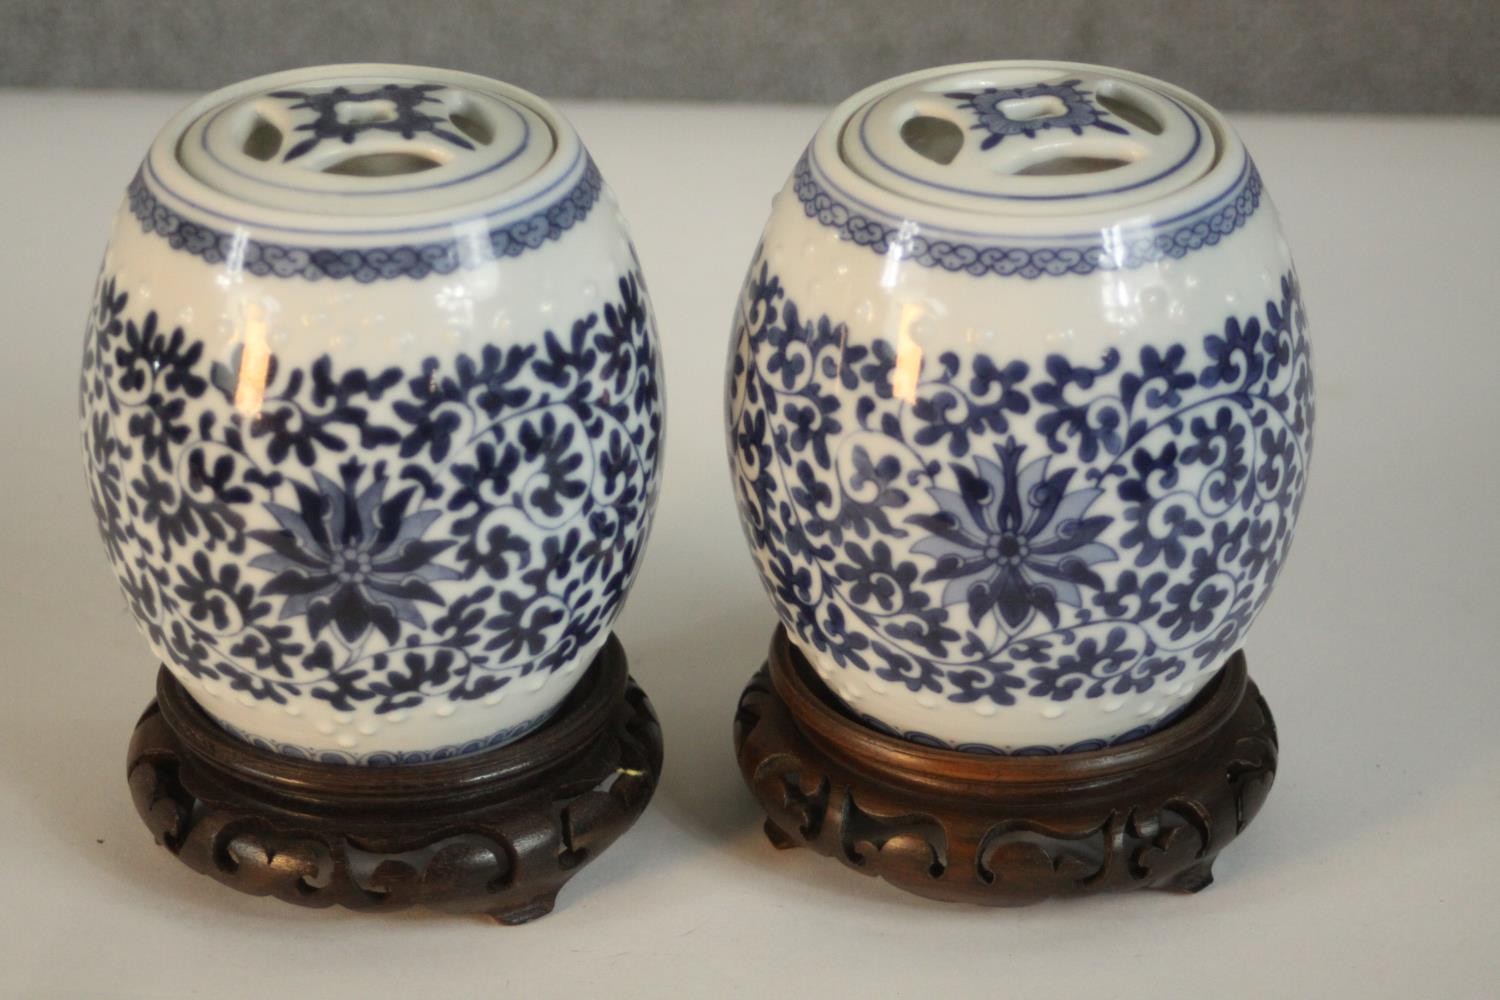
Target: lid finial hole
(1131, 112)
(935, 138)
(382, 165)
(1062, 165)
(474, 126)
(264, 140)
(1029, 109)
(367, 112)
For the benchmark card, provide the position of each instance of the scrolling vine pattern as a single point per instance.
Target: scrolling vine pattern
(1004, 531)
(373, 537)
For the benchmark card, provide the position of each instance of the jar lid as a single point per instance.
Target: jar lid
(1028, 138)
(361, 145)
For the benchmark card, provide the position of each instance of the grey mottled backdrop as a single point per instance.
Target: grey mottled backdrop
(1438, 56)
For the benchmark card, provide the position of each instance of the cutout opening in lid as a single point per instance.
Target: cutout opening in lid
(1027, 139)
(368, 141)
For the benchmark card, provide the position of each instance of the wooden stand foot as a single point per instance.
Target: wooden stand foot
(498, 832)
(526, 913)
(779, 838)
(1005, 831)
(1193, 879)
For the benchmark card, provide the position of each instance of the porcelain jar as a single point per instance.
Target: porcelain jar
(1020, 404)
(372, 410)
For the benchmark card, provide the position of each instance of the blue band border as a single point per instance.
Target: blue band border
(362, 264)
(1080, 253)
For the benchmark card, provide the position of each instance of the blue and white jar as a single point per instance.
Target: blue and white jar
(372, 410)
(1020, 404)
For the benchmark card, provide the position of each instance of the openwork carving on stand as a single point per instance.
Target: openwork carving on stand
(498, 832)
(1003, 830)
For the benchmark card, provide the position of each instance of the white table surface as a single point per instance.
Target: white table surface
(1372, 871)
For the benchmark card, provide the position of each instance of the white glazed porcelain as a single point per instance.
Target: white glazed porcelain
(1020, 404)
(372, 409)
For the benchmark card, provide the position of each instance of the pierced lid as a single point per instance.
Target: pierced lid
(364, 141)
(1024, 138)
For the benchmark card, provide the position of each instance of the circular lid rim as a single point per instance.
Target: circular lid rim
(197, 198)
(827, 155)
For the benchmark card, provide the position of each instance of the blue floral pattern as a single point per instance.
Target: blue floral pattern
(988, 105)
(352, 561)
(1012, 540)
(915, 537)
(374, 538)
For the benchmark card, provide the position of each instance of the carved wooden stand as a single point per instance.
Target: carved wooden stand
(497, 832)
(1005, 831)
